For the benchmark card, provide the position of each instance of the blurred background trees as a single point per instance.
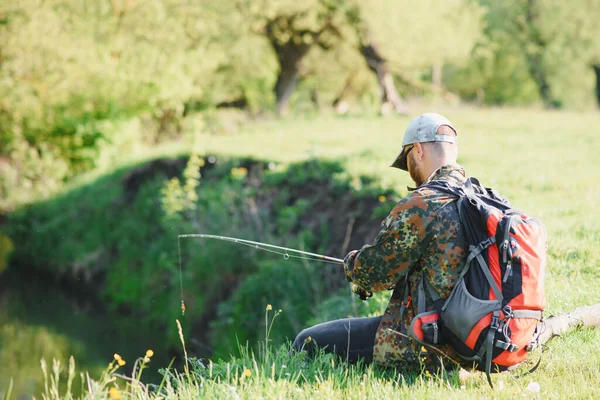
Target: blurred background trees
(83, 81)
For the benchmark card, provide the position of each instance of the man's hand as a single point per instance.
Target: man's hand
(349, 264)
(362, 294)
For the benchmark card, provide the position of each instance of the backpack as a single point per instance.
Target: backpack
(493, 316)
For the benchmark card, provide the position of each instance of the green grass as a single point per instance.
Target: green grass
(545, 162)
(567, 371)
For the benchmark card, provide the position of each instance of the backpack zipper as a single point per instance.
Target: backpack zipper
(505, 257)
(508, 272)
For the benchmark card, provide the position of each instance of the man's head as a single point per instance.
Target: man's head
(429, 143)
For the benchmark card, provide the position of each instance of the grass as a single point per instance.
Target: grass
(276, 373)
(544, 162)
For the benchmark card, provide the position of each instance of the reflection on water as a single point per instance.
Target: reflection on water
(39, 320)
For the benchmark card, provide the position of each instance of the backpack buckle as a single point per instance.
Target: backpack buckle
(495, 321)
(510, 347)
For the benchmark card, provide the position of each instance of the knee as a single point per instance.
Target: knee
(305, 341)
(301, 340)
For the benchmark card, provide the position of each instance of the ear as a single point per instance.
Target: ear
(420, 150)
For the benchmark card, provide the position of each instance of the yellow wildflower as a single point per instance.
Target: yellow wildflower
(308, 339)
(247, 372)
(381, 198)
(117, 357)
(269, 307)
(239, 172)
(114, 393)
(121, 362)
(149, 353)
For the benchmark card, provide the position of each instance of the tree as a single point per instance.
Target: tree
(596, 68)
(291, 43)
(390, 98)
(553, 38)
(398, 36)
(584, 39)
(535, 45)
(293, 28)
(71, 72)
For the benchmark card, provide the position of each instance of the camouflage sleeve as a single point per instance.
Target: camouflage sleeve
(398, 246)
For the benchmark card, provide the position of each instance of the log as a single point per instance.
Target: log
(583, 317)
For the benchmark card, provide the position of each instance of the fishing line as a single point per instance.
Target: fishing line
(287, 256)
(180, 277)
(279, 250)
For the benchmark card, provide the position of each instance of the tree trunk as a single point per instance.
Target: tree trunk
(534, 54)
(345, 89)
(291, 44)
(285, 85)
(390, 99)
(538, 73)
(597, 71)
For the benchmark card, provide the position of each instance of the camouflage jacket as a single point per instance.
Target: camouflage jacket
(422, 236)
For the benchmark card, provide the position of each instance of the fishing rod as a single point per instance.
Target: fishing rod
(280, 250)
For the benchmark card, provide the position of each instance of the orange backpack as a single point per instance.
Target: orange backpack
(494, 314)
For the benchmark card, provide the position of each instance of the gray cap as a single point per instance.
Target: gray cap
(422, 129)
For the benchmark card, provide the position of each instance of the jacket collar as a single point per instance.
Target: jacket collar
(452, 172)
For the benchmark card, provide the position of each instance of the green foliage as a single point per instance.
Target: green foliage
(295, 289)
(138, 213)
(420, 34)
(177, 198)
(344, 304)
(6, 247)
(71, 72)
(484, 79)
(543, 42)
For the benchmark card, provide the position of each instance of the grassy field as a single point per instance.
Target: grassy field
(544, 162)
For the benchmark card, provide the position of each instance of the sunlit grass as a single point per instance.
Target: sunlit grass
(279, 373)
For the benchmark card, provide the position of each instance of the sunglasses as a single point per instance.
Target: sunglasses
(408, 149)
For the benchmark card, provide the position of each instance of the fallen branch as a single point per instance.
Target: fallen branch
(583, 317)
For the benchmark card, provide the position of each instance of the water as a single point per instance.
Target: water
(40, 319)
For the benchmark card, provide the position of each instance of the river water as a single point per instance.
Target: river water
(40, 318)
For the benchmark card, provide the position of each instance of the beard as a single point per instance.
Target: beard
(415, 172)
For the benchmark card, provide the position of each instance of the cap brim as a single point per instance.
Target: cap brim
(400, 160)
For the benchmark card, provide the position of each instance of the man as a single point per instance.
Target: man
(421, 238)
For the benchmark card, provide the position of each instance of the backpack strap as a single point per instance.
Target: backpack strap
(489, 277)
(487, 347)
(425, 286)
(403, 305)
(535, 314)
